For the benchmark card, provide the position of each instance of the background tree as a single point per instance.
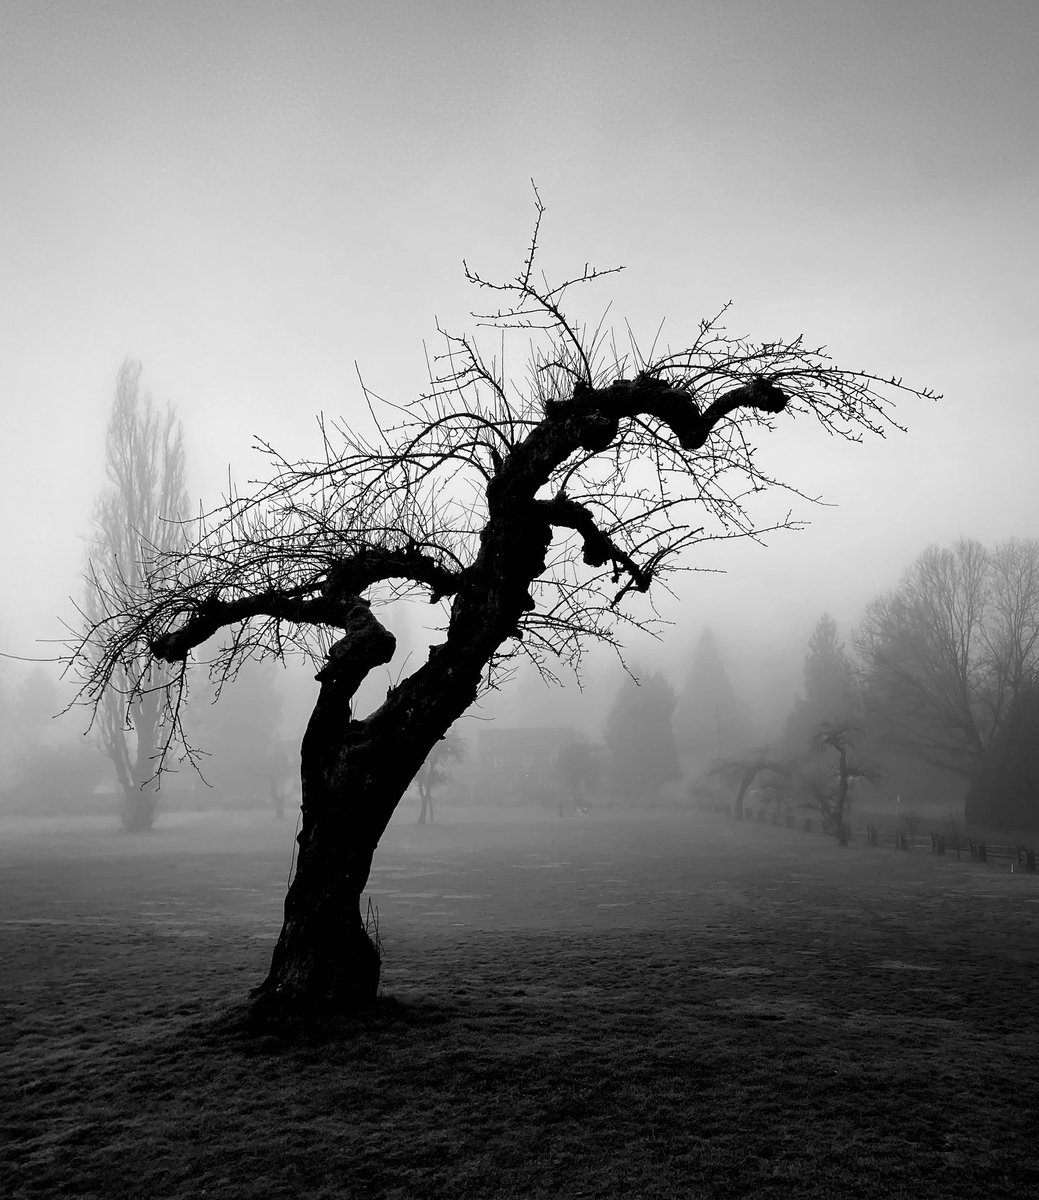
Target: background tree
(1005, 784)
(709, 720)
(830, 782)
(829, 692)
(640, 739)
(578, 768)
(136, 518)
(533, 510)
(950, 650)
(740, 773)
(433, 772)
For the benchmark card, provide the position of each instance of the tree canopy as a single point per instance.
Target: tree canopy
(481, 469)
(533, 509)
(949, 653)
(138, 515)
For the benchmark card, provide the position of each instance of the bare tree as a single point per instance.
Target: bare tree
(739, 773)
(433, 773)
(951, 649)
(136, 517)
(534, 511)
(830, 787)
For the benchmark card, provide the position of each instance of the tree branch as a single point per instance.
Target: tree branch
(371, 565)
(598, 548)
(676, 407)
(211, 615)
(335, 606)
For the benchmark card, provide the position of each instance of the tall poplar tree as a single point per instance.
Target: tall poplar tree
(138, 515)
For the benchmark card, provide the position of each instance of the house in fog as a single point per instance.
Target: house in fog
(518, 766)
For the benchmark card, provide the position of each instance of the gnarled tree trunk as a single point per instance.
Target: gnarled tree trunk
(354, 773)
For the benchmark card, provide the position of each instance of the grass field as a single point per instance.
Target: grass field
(655, 1005)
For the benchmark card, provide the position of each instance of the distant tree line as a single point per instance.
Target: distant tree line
(950, 671)
(941, 692)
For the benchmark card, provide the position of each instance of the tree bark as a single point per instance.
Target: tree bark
(324, 960)
(139, 809)
(140, 788)
(323, 957)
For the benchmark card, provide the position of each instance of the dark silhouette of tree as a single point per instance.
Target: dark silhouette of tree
(433, 772)
(950, 650)
(578, 768)
(830, 783)
(136, 517)
(1005, 786)
(640, 739)
(533, 512)
(740, 773)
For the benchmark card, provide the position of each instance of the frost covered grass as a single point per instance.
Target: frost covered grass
(636, 1005)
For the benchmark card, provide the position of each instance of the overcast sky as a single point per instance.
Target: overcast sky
(250, 198)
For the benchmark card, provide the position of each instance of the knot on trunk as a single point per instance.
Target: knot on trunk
(365, 644)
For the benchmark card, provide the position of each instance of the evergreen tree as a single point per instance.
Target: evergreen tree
(710, 722)
(640, 739)
(829, 691)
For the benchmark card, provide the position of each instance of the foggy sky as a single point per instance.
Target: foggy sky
(251, 198)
